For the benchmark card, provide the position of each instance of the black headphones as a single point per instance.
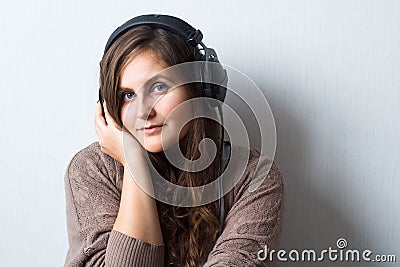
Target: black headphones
(210, 72)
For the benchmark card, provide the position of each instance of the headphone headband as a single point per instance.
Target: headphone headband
(193, 37)
(170, 23)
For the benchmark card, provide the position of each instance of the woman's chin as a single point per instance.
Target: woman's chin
(153, 149)
(153, 146)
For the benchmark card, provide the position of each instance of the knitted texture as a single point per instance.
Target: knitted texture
(93, 185)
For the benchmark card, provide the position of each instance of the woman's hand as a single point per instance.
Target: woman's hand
(137, 214)
(112, 139)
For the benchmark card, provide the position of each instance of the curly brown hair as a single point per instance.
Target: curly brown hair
(187, 231)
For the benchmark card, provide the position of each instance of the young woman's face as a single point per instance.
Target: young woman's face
(147, 103)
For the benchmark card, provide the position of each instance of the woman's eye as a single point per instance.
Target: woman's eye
(128, 96)
(160, 88)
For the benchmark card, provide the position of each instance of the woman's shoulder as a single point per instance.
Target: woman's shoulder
(92, 152)
(92, 160)
(260, 171)
(263, 165)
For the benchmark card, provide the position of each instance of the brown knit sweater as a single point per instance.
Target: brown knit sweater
(93, 185)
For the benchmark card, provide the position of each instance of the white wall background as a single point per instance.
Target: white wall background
(330, 70)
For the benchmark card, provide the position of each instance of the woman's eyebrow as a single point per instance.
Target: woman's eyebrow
(158, 78)
(149, 82)
(120, 88)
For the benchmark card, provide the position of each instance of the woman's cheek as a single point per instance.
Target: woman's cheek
(128, 121)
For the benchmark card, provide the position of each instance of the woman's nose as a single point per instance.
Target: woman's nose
(145, 110)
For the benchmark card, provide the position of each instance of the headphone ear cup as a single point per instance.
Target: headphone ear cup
(198, 56)
(213, 77)
(218, 78)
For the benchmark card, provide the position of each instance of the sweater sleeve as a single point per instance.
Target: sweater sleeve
(254, 220)
(92, 204)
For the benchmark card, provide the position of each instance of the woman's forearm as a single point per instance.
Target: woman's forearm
(137, 215)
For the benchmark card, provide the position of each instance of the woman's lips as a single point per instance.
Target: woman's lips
(152, 129)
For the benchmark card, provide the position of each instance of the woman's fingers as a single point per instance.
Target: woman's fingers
(106, 122)
(112, 138)
(106, 114)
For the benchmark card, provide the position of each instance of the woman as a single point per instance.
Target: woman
(111, 220)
